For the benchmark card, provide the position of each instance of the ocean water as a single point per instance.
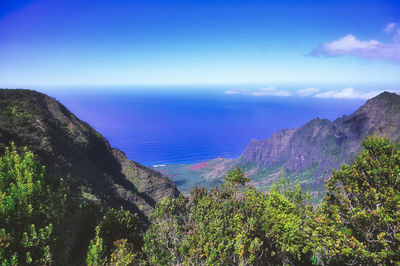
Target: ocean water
(164, 126)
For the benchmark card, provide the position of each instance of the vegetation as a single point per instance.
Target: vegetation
(234, 224)
(362, 207)
(358, 222)
(31, 208)
(118, 237)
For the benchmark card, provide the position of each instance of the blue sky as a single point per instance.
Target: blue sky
(100, 43)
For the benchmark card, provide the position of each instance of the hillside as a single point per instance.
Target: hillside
(98, 176)
(71, 149)
(308, 153)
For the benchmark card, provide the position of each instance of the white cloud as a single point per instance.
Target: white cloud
(307, 92)
(350, 45)
(270, 91)
(393, 28)
(390, 27)
(232, 91)
(347, 93)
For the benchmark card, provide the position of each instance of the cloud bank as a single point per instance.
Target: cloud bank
(347, 93)
(350, 45)
(270, 91)
(307, 92)
(372, 49)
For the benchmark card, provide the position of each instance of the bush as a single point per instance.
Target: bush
(360, 218)
(231, 225)
(118, 238)
(123, 254)
(95, 255)
(31, 207)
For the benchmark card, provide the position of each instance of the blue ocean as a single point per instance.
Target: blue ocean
(160, 126)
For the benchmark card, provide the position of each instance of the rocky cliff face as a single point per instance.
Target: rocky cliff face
(317, 142)
(380, 114)
(71, 149)
(309, 153)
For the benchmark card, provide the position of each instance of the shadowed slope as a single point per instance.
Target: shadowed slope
(71, 149)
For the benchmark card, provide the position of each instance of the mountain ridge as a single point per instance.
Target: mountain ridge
(72, 149)
(307, 153)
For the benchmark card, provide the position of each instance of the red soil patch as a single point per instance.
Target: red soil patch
(199, 166)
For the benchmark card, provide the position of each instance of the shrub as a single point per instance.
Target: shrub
(231, 225)
(360, 217)
(31, 207)
(118, 238)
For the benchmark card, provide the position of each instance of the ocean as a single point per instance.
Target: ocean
(161, 126)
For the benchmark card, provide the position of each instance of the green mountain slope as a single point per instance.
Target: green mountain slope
(71, 149)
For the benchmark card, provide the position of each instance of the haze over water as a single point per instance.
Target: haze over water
(165, 126)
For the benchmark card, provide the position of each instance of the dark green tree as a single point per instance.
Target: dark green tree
(237, 177)
(120, 224)
(118, 237)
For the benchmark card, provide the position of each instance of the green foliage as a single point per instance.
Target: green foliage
(225, 227)
(237, 177)
(118, 238)
(31, 208)
(95, 255)
(234, 224)
(360, 217)
(358, 222)
(231, 226)
(123, 254)
(288, 225)
(163, 240)
(118, 225)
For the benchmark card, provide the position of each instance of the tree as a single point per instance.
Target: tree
(288, 219)
(231, 225)
(96, 253)
(120, 224)
(123, 254)
(163, 240)
(360, 217)
(237, 177)
(118, 239)
(31, 208)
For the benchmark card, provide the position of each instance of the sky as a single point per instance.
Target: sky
(349, 45)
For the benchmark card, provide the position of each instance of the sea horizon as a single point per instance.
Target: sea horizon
(164, 126)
